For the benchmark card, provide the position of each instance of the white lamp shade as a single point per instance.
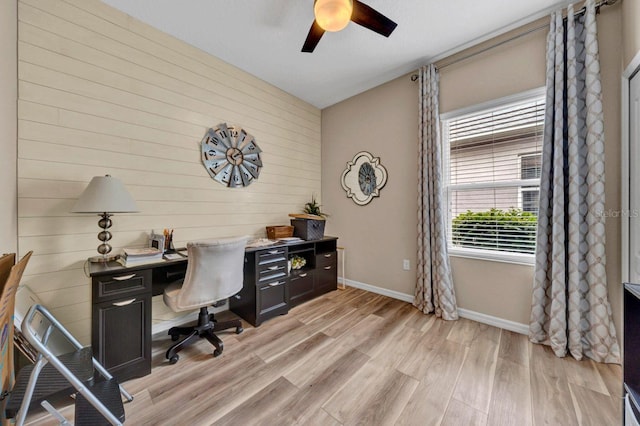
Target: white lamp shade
(105, 194)
(333, 15)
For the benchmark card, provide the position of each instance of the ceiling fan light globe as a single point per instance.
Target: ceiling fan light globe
(333, 15)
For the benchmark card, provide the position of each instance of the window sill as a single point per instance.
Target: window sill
(513, 258)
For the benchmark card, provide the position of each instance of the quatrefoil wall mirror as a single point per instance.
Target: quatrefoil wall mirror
(363, 178)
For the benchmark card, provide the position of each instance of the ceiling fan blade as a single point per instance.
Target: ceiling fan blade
(372, 19)
(314, 36)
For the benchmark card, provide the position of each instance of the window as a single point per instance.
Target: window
(530, 167)
(492, 177)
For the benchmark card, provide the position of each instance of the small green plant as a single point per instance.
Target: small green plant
(312, 207)
(512, 230)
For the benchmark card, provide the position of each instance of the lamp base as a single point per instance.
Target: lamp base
(103, 258)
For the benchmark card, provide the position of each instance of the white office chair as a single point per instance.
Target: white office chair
(214, 273)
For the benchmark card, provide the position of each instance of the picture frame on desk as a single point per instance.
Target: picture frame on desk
(157, 241)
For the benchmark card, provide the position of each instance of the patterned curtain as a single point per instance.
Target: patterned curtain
(570, 310)
(434, 289)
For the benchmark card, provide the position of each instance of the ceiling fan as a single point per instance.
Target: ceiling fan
(334, 15)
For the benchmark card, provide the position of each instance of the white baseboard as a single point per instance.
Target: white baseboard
(516, 327)
(378, 290)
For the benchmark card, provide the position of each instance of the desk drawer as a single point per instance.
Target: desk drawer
(326, 259)
(274, 271)
(269, 256)
(108, 287)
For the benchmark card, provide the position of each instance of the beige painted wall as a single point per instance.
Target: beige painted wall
(630, 29)
(384, 121)
(378, 236)
(8, 126)
(103, 93)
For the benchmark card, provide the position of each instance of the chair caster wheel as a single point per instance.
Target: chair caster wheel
(217, 353)
(239, 330)
(174, 359)
(174, 337)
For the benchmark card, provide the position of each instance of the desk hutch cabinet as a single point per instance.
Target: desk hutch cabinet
(121, 297)
(270, 289)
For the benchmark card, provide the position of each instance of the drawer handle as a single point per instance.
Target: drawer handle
(274, 251)
(303, 275)
(327, 267)
(276, 284)
(124, 277)
(124, 302)
(328, 255)
(273, 268)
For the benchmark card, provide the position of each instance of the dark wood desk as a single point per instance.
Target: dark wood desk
(121, 297)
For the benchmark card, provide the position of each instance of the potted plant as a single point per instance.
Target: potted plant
(312, 207)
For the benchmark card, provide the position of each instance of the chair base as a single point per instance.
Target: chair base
(205, 328)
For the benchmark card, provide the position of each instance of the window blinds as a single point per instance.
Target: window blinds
(493, 162)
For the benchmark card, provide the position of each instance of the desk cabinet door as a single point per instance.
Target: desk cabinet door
(300, 288)
(272, 299)
(121, 338)
(326, 273)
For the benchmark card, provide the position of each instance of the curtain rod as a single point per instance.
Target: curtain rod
(601, 3)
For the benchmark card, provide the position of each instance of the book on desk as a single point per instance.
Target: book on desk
(139, 256)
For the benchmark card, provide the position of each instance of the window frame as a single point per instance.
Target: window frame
(474, 253)
(522, 189)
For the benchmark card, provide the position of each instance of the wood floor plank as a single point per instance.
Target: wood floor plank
(514, 347)
(364, 298)
(418, 361)
(511, 396)
(429, 401)
(593, 408)
(551, 400)
(459, 413)
(272, 349)
(303, 374)
(350, 320)
(420, 321)
(390, 308)
(475, 383)
(612, 377)
(394, 350)
(300, 408)
(313, 309)
(584, 373)
(379, 403)
(365, 330)
(261, 408)
(320, 418)
(463, 332)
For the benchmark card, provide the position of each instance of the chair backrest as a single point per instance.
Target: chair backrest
(214, 271)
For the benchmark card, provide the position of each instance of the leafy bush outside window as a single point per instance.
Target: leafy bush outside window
(512, 230)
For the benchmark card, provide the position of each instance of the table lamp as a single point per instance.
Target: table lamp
(105, 195)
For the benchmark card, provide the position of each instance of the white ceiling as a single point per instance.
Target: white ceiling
(264, 37)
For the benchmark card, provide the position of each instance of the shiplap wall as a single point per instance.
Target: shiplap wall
(102, 93)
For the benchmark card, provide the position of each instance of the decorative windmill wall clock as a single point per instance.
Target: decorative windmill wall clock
(231, 156)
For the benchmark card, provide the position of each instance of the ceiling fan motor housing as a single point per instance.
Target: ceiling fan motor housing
(333, 15)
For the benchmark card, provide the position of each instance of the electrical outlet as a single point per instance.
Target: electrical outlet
(405, 264)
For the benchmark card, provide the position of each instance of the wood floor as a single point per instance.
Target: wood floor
(354, 357)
